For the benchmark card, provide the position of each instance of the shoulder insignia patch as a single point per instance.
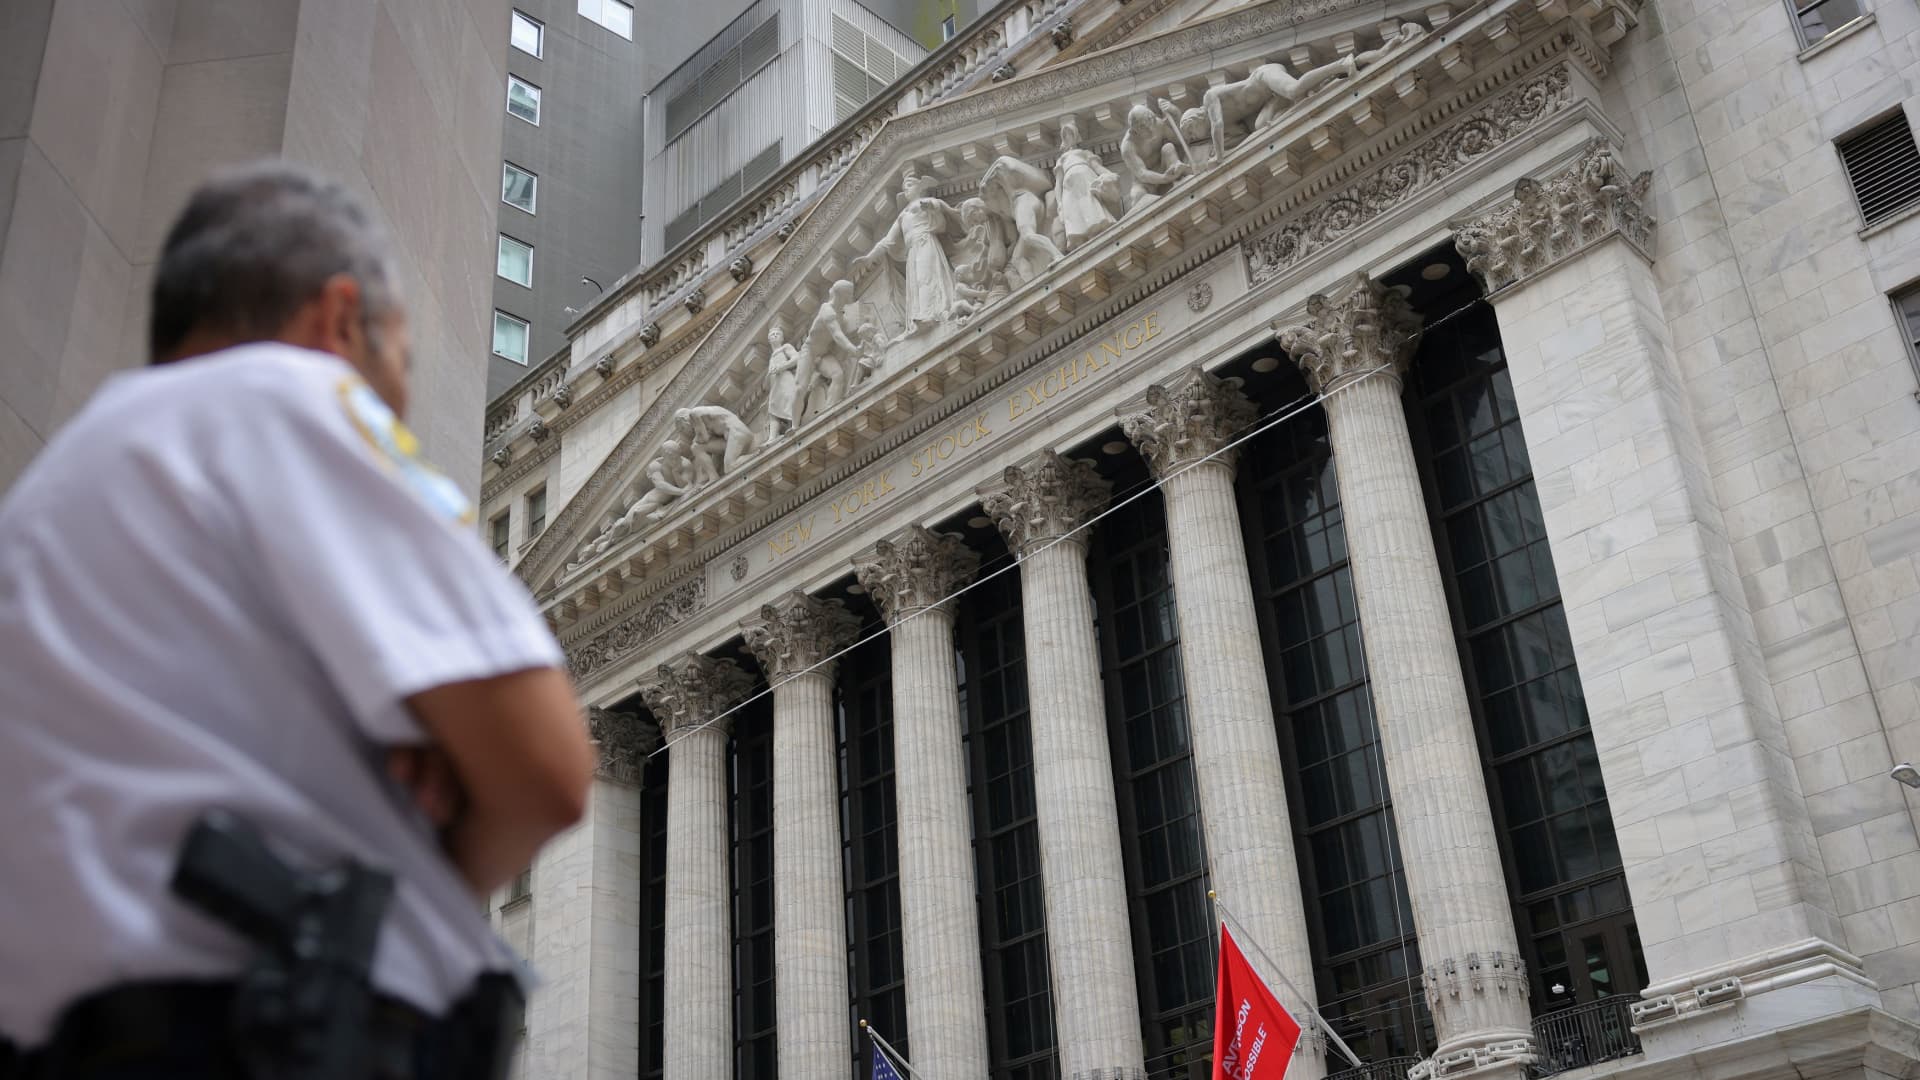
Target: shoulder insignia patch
(397, 447)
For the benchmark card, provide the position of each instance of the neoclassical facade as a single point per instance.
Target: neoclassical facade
(1438, 479)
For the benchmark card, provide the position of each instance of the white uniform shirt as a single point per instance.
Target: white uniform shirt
(217, 585)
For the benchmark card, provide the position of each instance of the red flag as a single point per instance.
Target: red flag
(1253, 1035)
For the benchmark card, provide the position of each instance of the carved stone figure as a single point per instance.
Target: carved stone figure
(1018, 193)
(1085, 192)
(980, 259)
(1154, 154)
(716, 440)
(830, 354)
(1269, 90)
(671, 474)
(916, 241)
(783, 385)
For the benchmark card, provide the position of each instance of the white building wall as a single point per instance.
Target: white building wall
(1803, 393)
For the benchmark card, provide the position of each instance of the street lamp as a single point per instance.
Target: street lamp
(1906, 774)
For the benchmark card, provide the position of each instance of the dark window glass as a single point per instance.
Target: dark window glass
(1543, 775)
(1006, 839)
(653, 914)
(1164, 852)
(1366, 965)
(871, 855)
(750, 818)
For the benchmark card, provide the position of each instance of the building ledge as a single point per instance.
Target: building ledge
(1836, 37)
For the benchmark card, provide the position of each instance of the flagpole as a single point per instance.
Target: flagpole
(884, 1048)
(1305, 1002)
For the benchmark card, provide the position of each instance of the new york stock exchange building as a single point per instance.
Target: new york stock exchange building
(1443, 477)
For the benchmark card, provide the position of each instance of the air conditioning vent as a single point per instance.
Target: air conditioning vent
(1883, 164)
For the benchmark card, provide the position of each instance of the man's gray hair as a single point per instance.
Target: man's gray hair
(256, 242)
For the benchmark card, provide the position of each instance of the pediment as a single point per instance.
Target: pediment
(973, 230)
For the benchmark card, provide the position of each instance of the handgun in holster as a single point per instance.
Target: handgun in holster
(304, 1007)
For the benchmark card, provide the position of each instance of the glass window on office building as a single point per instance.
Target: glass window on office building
(536, 510)
(515, 261)
(527, 34)
(509, 337)
(518, 187)
(612, 14)
(523, 99)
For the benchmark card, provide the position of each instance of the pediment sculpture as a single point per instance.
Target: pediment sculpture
(942, 260)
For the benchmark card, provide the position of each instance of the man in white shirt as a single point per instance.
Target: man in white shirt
(228, 583)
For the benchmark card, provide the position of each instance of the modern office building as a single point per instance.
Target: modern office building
(110, 113)
(777, 78)
(1440, 476)
(571, 175)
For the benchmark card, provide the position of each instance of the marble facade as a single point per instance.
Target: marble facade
(1725, 480)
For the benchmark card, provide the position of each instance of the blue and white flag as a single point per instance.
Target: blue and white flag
(882, 1068)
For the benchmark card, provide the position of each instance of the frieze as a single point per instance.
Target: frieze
(592, 656)
(1022, 401)
(1335, 215)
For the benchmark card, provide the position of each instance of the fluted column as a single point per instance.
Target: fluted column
(908, 576)
(1089, 945)
(686, 696)
(1236, 750)
(1353, 348)
(792, 640)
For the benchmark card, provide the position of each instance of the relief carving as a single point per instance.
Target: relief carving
(620, 640)
(783, 385)
(916, 241)
(1086, 194)
(1018, 193)
(1269, 91)
(1549, 220)
(1155, 154)
(1338, 213)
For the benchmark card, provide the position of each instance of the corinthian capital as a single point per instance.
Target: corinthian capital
(797, 632)
(1548, 221)
(693, 691)
(624, 741)
(1044, 499)
(1186, 419)
(914, 570)
(1362, 328)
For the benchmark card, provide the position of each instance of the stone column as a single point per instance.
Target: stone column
(1236, 749)
(584, 1024)
(1353, 349)
(940, 925)
(1096, 1005)
(792, 639)
(686, 696)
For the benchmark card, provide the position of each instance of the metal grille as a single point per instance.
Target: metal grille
(1583, 1035)
(723, 76)
(1883, 164)
(724, 194)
